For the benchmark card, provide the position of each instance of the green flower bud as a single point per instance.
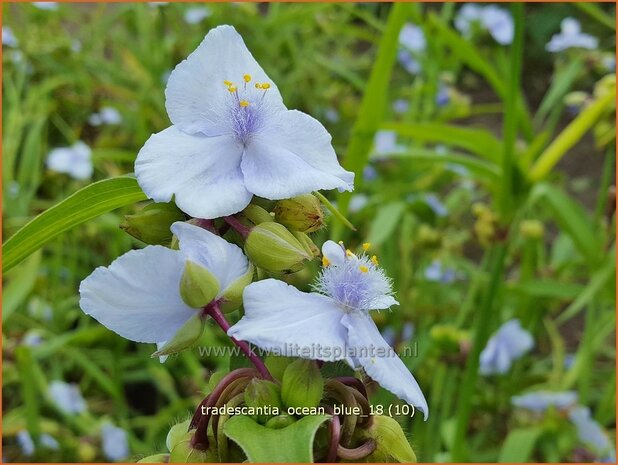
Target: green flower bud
(183, 451)
(532, 229)
(276, 365)
(198, 286)
(176, 434)
(263, 393)
(86, 452)
(152, 224)
(185, 337)
(447, 338)
(302, 384)
(302, 213)
(280, 421)
(232, 297)
(307, 243)
(272, 247)
(257, 214)
(158, 458)
(391, 442)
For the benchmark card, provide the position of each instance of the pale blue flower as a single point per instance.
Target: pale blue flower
(407, 332)
(569, 360)
(443, 97)
(385, 143)
(401, 106)
(591, 434)
(370, 173)
(332, 115)
(197, 14)
(508, 344)
(8, 38)
(357, 203)
(436, 205)
(609, 62)
(438, 273)
(571, 36)
(67, 397)
(332, 323)
(541, 401)
(497, 21)
(232, 137)
(76, 46)
(32, 338)
(107, 115)
(115, 442)
(138, 295)
(25, 442)
(49, 6)
(412, 42)
(467, 16)
(76, 161)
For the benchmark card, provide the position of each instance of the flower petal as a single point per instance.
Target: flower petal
(380, 361)
(223, 259)
(202, 172)
(292, 155)
(280, 318)
(196, 97)
(333, 252)
(138, 296)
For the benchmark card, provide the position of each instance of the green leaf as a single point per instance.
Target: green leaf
(519, 445)
(292, 444)
(20, 282)
(385, 222)
(86, 204)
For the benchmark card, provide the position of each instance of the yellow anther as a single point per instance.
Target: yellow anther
(366, 246)
(348, 252)
(247, 77)
(266, 86)
(374, 260)
(325, 261)
(232, 88)
(244, 103)
(363, 269)
(228, 83)
(340, 242)
(258, 85)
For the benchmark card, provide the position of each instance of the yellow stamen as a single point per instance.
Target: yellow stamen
(232, 89)
(228, 83)
(348, 252)
(374, 260)
(244, 103)
(340, 242)
(363, 269)
(366, 246)
(266, 86)
(258, 85)
(325, 261)
(247, 77)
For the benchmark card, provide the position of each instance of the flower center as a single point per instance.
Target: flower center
(246, 106)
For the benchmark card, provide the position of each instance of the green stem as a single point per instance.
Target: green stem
(497, 256)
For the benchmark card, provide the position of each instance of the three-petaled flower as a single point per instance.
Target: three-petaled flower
(232, 137)
(333, 323)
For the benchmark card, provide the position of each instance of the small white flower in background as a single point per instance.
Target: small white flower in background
(32, 338)
(591, 434)
(443, 96)
(331, 115)
(232, 137)
(401, 106)
(278, 317)
(497, 21)
(197, 15)
(571, 36)
(385, 143)
(467, 16)
(49, 6)
(436, 272)
(27, 444)
(411, 44)
(76, 161)
(67, 397)
(115, 442)
(357, 203)
(138, 295)
(541, 401)
(609, 62)
(436, 205)
(8, 38)
(107, 115)
(508, 344)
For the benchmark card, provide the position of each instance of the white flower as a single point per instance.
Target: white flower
(50, 6)
(8, 38)
(67, 397)
(232, 137)
(197, 15)
(508, 344)
(107, 115)
(591, 434)
(332, 115)
(385, 143)
(497, 21)
(401, 106)
(540, 401)
(412, 38)
(331, 324)
(138, 295)
(357, 203)
(115, 442)
(570, 36)
(27, 444)
(467, 15)
(75, 161)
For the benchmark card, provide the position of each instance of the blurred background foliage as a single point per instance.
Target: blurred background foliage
(478, 217)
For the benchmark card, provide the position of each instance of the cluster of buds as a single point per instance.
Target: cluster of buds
(297, 389)
(486, 225)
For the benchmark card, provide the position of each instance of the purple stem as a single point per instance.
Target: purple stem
(237, 226)
(215, 312)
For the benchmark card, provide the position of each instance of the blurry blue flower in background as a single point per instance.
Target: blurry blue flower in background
(541, 401)
(407, 332)
(197, 15)
(106, 115)
(49, 6)
(569, 360)
(443, 96)
(115, 443)
(32, 338)
(591, 434)
(570, 36)
(331, 115)
(497, 21)
(609, 61)
(401, 106)
(435, 204)
(385, 143)
(412, 42)
(8, 38)
(27, 444)
(507, 345)
(370, 173)
(75, 161)
(67, 397)
(357, 203)
(436, 272)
